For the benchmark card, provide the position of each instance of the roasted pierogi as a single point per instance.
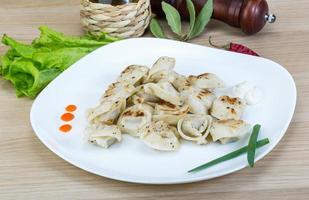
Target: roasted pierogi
(229, 130)
(161, 107)
(160, 136)
(194, 128)
(170, 113)
(107, 112)
(134, 118)
(133, 75)
(103, 135)
(118, 90)
(164, 107)
(140, 96)
(162, 69)
(198, 100)
(163, 90)
(206, 81)
(180, 82)
(226, 107)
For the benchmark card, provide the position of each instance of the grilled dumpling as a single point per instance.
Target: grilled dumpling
(133, 74)
(135, 118)
(164, 107)
(161, 69)
(206, 80)
(142, 97)
(168, 118)
(226, 107)
(170, 113)
(229, 130)
(164, 90)
(198, 100)
(107, 112)
(118, 90)
(195, 128)
(180, 82)
(103, 135)
(160, 136)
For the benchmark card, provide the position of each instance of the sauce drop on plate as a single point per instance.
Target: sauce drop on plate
(71, 108)
(67, 117)
(65, 128)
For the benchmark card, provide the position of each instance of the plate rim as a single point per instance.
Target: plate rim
(181, 180)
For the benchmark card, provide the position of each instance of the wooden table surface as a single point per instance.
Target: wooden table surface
(28, 170)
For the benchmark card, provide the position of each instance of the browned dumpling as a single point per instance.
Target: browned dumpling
(194, 128)
(133, 75)
(134, 118)
(161, 69)
(118, 90)
(170, 113)
(198, 100)
(226, 107)
(206, 81)
(164, 107)
(180, 82)
(103, 135)
(229, 130)
(107, 112)
(141, 97)
(161, 106)
(163, 90)
(160, 136)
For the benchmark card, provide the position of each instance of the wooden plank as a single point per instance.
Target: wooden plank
(28, 170)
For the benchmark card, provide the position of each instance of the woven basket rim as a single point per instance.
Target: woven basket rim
(109, 5)
(126, 20)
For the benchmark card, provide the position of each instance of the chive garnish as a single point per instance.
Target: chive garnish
(229, 156)
(252, 144)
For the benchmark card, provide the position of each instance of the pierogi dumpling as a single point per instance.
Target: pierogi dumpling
(160, 136)
(160, 107)
(195, 128)
(133, 74)
(229, 130)
(134, 118)
(107, 112)
(162, 69)
(118, 90)
(165, 91)
(180, 82)
(226, 107)
(141, 97)
(103, 135)
(198, 100)
(206, 81)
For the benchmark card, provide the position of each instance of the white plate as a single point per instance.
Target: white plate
(84, 82)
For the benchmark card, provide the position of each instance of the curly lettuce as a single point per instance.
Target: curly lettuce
(31, 67)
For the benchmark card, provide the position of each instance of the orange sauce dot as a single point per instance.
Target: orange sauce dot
(65, 128)
(71, 108)
(67, 117)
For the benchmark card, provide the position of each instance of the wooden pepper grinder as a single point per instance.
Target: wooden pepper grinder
(248, 15)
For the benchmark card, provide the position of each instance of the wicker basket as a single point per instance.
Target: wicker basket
(128, 20)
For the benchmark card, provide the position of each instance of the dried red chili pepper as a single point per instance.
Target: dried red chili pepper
(239, 48)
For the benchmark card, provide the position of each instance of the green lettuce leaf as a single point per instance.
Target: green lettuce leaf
(31, 67)
(59, 58)
(54, 39)
(27, 79)
(17, 48)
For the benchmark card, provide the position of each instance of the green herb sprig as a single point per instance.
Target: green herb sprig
(252, 144)
(249, 149)
(197, 24)
(229, 156)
